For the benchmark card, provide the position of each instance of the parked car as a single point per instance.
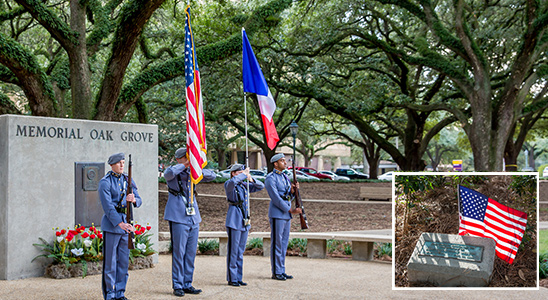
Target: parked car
(351, 173)
(224, 174)
(313, 172)
(386, 176)
(300, 175)
(258, 174)
(545, 172)
(335, 176)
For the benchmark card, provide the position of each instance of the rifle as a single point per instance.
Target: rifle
(298, 201)
(129, 210)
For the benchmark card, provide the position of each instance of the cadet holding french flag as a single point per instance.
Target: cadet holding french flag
(237, 220)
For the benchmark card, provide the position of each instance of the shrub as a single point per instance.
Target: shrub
(384, 249)
(208, 245)
(299, 244)
(254, 243)
(543, 265)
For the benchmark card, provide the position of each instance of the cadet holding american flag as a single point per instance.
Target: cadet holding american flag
(182, 209)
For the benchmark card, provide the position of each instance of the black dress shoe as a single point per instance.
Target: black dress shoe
(192, 290)
(278, 277)
(233, 283)
(242, 283)
(287, 276)
(178, 292)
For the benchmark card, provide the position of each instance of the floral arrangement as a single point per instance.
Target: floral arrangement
(83, 245)
(143, 246)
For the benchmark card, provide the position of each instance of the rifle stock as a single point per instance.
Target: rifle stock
(129, 210)
(298, 201)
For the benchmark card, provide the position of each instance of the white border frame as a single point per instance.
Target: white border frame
(394, 288)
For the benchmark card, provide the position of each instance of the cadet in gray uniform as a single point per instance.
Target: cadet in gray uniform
(281, 192)
(237, 217)
(112, 193)
(183, 225)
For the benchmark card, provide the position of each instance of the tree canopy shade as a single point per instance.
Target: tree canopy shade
(98, 39)
(493, 54)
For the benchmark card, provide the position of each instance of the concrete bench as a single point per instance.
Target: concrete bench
(362, 244)
(375, 192)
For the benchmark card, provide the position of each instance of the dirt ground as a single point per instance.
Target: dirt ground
(437, 211)
(543, 197)
(334, 216)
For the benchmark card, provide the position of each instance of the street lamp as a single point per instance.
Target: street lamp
(293, 127)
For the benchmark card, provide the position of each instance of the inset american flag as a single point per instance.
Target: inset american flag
(482, 216)
(195, 123)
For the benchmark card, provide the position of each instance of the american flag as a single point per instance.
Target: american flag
(195, 123)
(482, 216)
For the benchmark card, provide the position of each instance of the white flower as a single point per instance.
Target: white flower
(142, 247)
(60, 238)
(77, 252)
(87, 243)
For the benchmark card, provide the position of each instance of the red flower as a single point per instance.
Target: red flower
(148, 227)
(69, 236)
(63, 231)
(73, 232)
(100, 235)
(81, 229)
(57, 233)
(137, 226)
(92, 229)
(85, 235)
(92, 236)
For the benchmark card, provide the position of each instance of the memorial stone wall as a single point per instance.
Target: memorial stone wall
(39, 186)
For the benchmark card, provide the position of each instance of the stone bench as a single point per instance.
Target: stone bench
(362, 244)
(376, 192)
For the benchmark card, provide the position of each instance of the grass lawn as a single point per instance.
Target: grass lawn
(543, 241)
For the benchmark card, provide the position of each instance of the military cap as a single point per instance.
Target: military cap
(277, 157)
(180, 152)
(115, 158)
(236, 167)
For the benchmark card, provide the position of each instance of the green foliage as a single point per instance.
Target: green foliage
(348, 249)
(298, 244)
(208, 245)
(384, 249)
(332, 245)
(254, 243)
(543, 265)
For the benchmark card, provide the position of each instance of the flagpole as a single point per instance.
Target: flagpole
(246, 150)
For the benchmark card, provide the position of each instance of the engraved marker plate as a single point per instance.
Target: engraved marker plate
(449, 250)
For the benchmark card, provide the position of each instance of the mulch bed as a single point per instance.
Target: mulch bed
(438, 212)
(322, 217)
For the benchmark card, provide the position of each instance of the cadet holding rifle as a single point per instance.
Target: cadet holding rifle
(281, 192)
(237, 220)
(114, 198)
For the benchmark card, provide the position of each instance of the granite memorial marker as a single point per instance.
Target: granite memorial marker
(449, 260)
(49, 174)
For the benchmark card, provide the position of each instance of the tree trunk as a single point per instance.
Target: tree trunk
(80, 80)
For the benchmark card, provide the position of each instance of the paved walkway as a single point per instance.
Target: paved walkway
(543, 225)
(314, 279)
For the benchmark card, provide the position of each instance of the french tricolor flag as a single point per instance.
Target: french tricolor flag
(255, 83)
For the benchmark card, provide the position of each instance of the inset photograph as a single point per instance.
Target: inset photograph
(466, 230)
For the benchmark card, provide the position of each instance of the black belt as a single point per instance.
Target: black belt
(175, 192)
(120, 209)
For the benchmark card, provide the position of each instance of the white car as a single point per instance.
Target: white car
(224, 174)
(545, 172)
(386, 176)
(258, 174)
(335, 176)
